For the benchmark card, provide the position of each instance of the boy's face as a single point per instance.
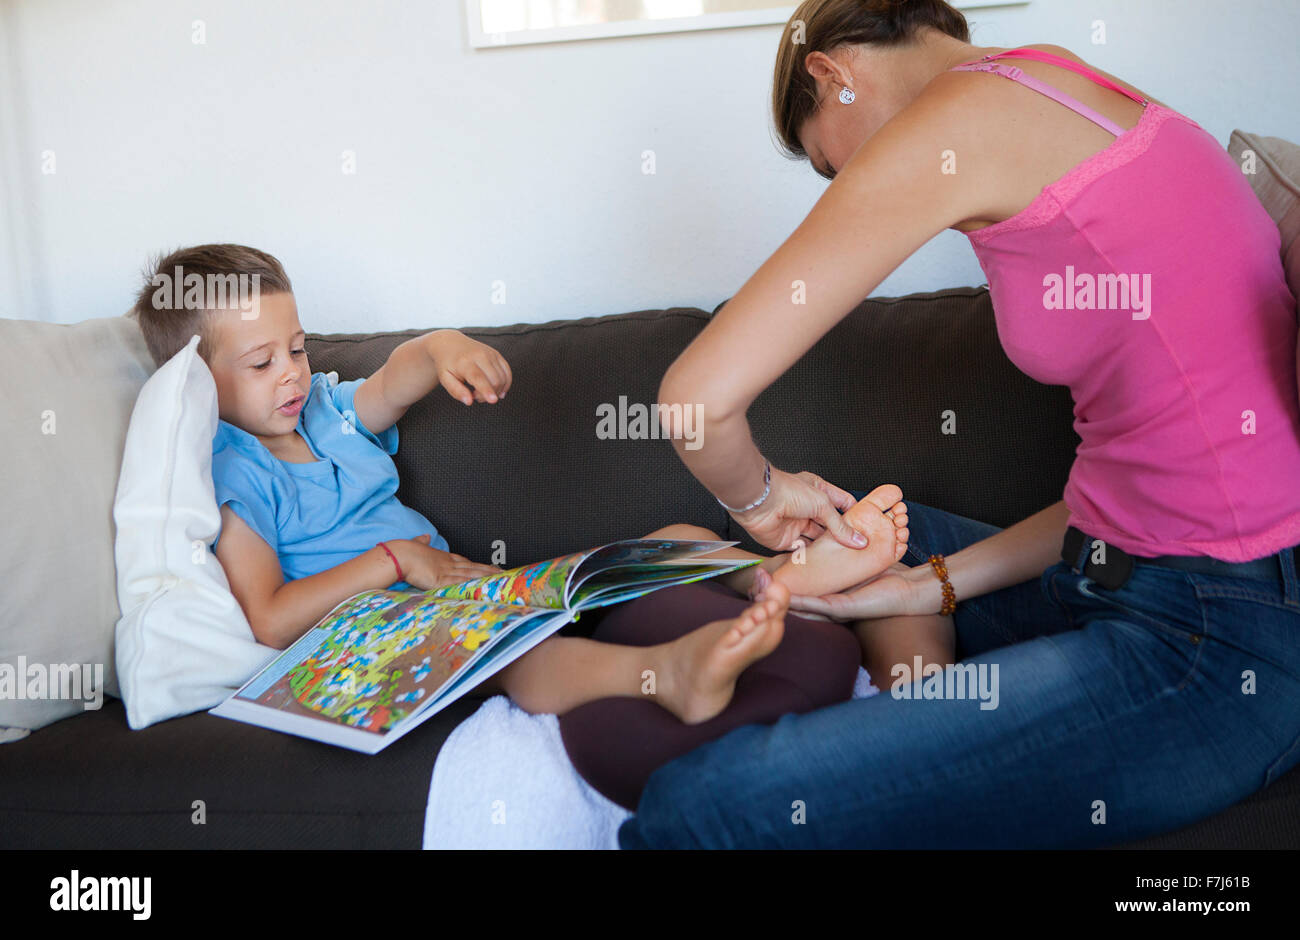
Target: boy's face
(259, 365)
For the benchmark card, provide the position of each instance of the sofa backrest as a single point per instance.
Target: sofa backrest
(871, 403)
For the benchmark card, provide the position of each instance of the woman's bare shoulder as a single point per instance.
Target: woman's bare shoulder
(1016, 143)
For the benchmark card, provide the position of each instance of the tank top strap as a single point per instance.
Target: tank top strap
(1010, 71)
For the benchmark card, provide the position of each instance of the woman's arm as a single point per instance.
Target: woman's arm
(1016, 554)
(887, 201)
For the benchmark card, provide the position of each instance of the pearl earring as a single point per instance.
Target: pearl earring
(846, 95)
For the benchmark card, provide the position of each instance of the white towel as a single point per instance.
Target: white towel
(504, 781)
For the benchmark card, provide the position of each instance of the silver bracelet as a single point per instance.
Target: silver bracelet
(767, 488)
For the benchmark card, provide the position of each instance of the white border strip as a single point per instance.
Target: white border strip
(777, 15)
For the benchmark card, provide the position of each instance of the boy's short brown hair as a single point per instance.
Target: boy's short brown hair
(168, 323)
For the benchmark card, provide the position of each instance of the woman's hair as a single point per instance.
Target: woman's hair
(825, 25)
(168, 321)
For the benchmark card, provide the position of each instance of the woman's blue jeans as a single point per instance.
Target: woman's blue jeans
(1116, 715)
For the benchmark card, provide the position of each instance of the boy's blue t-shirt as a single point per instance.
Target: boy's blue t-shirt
(318, 515)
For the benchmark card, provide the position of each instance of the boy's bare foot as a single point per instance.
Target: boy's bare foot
(829, 567)
(697, 673)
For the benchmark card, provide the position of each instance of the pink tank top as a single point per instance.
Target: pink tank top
(1148, 280)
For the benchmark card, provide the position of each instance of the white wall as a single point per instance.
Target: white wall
(519, 164)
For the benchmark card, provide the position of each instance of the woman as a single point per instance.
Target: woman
(1148, 674)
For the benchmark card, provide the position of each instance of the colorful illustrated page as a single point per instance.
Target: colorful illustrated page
(537, 585)
(545, 584)
(388, 652)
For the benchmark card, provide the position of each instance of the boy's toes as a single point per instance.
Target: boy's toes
(743, 625)
(772, 607)
(884, 496)
(898, 512)
(777, 598)
(769, 608)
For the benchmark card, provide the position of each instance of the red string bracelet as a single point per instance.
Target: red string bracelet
(395, 564)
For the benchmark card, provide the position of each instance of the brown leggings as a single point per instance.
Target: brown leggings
(616, 743)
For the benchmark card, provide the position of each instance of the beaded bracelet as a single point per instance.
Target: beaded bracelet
(949, 595)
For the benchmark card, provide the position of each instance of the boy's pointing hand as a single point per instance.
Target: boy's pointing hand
(467, 369)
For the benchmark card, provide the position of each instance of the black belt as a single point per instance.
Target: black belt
(1116, 565)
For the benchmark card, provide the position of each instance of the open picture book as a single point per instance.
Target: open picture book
(382, 662)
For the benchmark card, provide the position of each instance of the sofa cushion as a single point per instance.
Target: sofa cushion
(923, 396)
(183, 643)
(203, 782)
(68, 392)
(527, 478)
(1276, 182)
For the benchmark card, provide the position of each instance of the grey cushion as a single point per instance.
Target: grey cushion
(68, 395)
(1276, 181)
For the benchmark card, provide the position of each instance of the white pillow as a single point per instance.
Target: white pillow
(183, 643)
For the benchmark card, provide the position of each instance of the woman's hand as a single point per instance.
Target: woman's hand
(427, 568)
(464, 364)
(896, 591)
(800, 506)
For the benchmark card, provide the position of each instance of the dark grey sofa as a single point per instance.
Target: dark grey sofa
(863, 407)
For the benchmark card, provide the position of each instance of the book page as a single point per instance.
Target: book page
(601, 593)
(636, 555)
(610, 587)
(552, 583)
(380, 658)
(541, 584)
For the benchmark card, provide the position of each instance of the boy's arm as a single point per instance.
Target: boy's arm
(418, 366)
(279, 612)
